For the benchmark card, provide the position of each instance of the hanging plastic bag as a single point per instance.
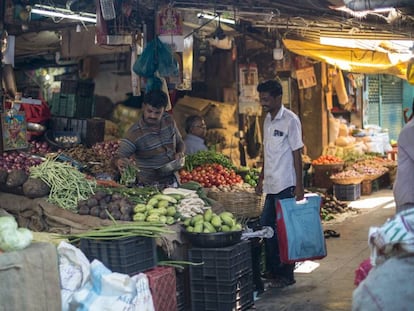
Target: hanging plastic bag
(157, 56)
(253, 138)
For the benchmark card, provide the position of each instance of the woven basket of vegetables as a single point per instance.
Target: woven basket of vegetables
(240, 204)
(348, 177)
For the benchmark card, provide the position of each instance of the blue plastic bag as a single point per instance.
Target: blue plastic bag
(156, 56)
(299, 229)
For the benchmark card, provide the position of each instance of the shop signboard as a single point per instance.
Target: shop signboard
(249, 97)
(14, 130)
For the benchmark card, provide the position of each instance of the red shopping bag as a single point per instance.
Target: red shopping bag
(299, 229)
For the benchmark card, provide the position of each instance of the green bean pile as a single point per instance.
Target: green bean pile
(67, 185)
(120, 231)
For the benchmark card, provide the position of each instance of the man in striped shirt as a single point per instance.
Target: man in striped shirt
(152, 142)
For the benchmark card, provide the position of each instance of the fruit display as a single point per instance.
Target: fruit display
(250, 175)
(210, 222)
(209, 175)
(327, 159)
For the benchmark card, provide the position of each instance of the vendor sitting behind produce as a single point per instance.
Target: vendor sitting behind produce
(196, 129)
(153, 141)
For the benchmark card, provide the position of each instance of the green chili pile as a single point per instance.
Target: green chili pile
(67, 185)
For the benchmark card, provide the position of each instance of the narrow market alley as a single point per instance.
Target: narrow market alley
(329, 287)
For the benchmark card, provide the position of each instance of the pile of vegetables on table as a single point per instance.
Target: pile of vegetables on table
(210, 222)
(327, 159)
(331, 207)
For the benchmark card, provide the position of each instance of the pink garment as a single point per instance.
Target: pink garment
(362, 271)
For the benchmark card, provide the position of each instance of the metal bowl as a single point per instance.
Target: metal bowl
(213, 240)
(35, 127)
(172, 166)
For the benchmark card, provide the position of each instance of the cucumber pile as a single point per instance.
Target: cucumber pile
(159, 208)
(210, 222)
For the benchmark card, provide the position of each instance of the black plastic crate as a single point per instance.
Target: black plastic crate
(223, 296)
(180, 287)
(128, 255)
(347, 192)
(222, 264)
(77, 87)
(68, 86)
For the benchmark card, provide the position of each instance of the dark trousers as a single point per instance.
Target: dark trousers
(268, 218)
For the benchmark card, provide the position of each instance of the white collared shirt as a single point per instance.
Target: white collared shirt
(282, 136)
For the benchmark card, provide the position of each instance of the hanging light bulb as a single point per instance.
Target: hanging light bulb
(278, 51)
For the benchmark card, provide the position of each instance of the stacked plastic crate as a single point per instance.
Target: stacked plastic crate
(75, 100)
(224, 281)
(129, 255)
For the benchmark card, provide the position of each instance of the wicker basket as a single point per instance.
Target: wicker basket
(338, 165)
(372, 177)
(240, 204)
(347, 181)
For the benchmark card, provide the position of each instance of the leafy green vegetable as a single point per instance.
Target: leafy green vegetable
(207, 157)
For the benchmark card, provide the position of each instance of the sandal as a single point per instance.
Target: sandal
(331, 234)
(280, 283)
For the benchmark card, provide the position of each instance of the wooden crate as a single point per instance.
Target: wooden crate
(369, 186)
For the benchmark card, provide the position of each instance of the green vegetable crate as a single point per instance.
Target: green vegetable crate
(129, 255)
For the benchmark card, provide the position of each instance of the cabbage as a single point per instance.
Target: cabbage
(15, 239)
(7, 222)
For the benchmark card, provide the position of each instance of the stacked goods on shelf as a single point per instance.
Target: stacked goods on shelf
(224, 281)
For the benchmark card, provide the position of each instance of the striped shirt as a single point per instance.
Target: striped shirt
(151, 148)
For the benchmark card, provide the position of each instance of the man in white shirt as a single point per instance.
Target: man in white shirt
(281, 175)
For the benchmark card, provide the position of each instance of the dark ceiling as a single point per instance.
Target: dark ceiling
(305, 19)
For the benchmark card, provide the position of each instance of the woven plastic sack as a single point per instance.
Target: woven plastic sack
(299, 229)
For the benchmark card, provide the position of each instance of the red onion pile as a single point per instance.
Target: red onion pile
(40, 148)
(14, 160)
(106, 148)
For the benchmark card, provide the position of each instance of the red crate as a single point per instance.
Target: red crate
(163, 288)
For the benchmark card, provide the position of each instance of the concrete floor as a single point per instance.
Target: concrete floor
(330, 286)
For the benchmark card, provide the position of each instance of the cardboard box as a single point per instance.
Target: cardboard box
(162, 282)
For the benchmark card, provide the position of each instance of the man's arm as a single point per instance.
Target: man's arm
(297, 163)
(180, 145)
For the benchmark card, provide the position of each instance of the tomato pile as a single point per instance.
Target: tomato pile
(327, 159)
(209, 175)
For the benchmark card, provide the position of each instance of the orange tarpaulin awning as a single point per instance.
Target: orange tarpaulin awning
(349, 59)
